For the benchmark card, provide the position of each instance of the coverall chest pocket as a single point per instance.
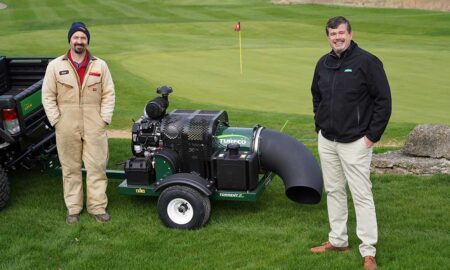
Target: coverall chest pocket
(94, 90)
(66, 91)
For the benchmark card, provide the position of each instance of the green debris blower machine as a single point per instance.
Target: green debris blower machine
(189, 157)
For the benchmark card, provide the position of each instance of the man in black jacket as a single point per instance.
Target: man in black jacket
(352, 106)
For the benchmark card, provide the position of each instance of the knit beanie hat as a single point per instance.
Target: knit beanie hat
(78, 26)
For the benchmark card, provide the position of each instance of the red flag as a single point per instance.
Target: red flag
(237, 28)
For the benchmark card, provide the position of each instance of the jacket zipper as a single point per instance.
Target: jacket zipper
(332, 97)
(331, 104)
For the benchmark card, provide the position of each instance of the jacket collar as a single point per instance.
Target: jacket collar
(347, 52)
(90, 56)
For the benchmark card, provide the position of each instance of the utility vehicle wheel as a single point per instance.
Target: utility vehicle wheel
(182, 207)
(4, 188)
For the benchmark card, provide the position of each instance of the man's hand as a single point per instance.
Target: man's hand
(368, 142)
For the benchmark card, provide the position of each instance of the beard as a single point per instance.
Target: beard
(79, 49)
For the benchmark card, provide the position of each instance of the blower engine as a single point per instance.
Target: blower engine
(197, 149)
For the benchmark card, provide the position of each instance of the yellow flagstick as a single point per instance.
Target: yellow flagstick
(240, 49)
(237, 28)
(285, 124)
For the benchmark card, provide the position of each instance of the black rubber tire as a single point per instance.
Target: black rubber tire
(201, 207)
(4, 189)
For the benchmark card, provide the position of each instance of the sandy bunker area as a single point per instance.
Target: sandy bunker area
(438, 5)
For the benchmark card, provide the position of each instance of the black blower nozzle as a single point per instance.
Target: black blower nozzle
(294, 163)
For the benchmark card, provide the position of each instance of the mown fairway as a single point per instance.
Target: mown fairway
(191, 46)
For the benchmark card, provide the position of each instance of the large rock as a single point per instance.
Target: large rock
(398, 163)
(429, 141)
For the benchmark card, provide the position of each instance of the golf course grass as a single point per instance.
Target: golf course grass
(191, 45)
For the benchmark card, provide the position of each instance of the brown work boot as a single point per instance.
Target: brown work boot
(102, 218)
(327, 246)
(370, 263)
(72, 219)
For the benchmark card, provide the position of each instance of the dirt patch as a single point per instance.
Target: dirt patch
(440, 5)
(119, 134)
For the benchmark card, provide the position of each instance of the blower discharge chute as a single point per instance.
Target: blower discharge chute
(188, 157)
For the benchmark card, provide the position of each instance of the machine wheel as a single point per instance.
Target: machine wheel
(4, 189)
(182, 207)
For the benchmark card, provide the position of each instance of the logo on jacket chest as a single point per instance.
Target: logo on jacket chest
(94, 73)
(64, 72)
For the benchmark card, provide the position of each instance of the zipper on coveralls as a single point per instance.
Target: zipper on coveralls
(86, 72)
(80, 104)
(78, 81)
(79, 93)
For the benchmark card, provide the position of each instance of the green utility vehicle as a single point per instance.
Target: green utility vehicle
(25, 134)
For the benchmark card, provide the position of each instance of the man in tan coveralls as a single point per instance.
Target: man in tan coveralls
(78, 97)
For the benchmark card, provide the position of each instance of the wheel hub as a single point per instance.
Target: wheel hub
(180, 211)
(183, 208)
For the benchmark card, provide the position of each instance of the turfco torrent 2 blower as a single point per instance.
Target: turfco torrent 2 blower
(188, 157)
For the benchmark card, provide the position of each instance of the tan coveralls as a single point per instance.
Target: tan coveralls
(80, 114)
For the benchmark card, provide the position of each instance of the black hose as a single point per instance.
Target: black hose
(294, 163)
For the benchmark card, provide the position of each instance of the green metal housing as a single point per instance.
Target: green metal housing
(218, 195)
(54, 169)
(162, 168)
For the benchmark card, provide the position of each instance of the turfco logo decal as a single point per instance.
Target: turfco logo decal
(231, 195)
(226, 139)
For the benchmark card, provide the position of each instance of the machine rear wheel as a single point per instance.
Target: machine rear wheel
(182, 207)
(4, 189)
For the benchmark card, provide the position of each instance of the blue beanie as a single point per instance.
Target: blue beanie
(78, 26)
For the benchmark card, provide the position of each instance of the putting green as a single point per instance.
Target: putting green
(192, 46)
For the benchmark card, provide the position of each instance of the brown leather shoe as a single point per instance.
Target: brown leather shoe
(327, 246)
(103, 218)
(72, 219)
(370, 263)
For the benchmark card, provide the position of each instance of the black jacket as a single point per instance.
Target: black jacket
(351, 96)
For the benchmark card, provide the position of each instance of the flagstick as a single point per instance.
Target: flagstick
(285, 123)
(240, 49)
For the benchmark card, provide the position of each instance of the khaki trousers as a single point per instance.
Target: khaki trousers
(75, 148)
(349, 163)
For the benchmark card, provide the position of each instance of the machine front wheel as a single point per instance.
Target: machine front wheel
(182, 207)
(4, 188)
